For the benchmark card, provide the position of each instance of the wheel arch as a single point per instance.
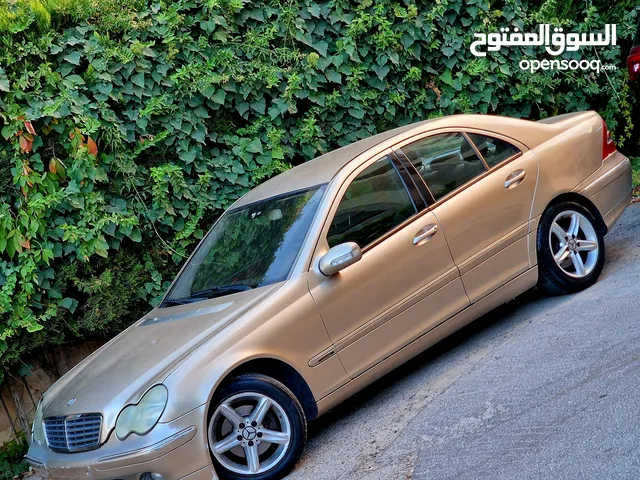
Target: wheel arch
(280, 371)
(582, 200)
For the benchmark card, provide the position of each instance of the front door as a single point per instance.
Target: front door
(482, 188)
(406, 282)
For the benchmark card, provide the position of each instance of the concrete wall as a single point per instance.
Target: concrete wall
(19, 395)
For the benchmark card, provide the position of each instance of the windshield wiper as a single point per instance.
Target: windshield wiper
(218, 290)
(211, 292)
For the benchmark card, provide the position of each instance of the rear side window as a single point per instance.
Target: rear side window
(445, 162)
(493, 150)
(375, 203)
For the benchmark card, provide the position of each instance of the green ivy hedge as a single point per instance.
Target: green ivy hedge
(128, 126)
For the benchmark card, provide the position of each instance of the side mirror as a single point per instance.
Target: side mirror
(339, 257)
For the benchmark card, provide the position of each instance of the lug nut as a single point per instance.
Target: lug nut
(239, 437)
(242, 425)
(254, 424)
(259, 434)
(250, 443)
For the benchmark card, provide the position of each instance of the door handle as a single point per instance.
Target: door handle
(515, 179)
(425, 234)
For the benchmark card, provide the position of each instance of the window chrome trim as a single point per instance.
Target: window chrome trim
(475, 149)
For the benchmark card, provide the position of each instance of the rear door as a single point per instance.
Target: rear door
(406, 282)
(482, 188)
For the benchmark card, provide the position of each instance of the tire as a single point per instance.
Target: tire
(282, 418)
(585, 247)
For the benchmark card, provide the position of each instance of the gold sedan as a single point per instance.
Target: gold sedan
(326, 277)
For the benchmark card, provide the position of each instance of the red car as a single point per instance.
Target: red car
(633, 60)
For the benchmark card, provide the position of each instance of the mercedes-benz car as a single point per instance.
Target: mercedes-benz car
(326, 277)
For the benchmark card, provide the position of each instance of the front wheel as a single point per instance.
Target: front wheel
(570, 249)
(257, 430)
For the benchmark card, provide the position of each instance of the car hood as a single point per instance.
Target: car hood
(144, 354)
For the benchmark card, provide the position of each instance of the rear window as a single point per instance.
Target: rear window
(492, 149)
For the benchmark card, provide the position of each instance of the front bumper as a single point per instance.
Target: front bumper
(175, 450)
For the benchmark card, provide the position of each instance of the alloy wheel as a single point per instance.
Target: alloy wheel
(574, 244)
(249, 433)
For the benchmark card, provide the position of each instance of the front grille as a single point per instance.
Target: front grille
(73, 433)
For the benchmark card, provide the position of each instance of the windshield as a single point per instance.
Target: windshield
(249, 247)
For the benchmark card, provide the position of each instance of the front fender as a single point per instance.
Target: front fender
(286, 327)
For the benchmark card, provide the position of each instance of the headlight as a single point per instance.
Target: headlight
(37, 429)
(142, 417)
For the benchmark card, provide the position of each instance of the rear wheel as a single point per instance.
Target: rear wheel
(257, 430)
(570, 249)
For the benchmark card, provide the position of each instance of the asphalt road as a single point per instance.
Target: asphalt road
(539, 388)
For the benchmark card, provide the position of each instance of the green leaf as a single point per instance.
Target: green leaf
(33, 327)
(4, 81)
(448, 51)
(356, 112)
(136, 235)
(277, 153)
(321, 47)
(333, 76)
(73, 58)
(381, 71)
(259, 105)
(446, 78)
(11, 246)
(138, 79)
(198, 135)
(69, 303)
(255, 146)
(54, 293)
(219, 96)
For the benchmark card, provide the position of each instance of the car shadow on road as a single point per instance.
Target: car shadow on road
(497, 317)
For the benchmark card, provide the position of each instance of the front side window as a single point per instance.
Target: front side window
(444, 161)
(375, 202)
(249, 247)
(493, 150)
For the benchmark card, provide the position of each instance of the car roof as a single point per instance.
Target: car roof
(318, 171)
(323, 169)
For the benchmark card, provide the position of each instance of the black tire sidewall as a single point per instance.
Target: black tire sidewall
(553, 278)
(287, 400)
